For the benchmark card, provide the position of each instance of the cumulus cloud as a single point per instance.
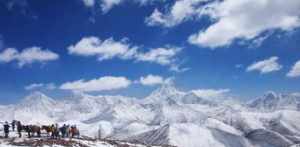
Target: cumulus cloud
(95, 85)
(89, 3)
(151, 80)
(27, 56)
(163, 56)
(244, 19)
(181, 11)
(109, 49)
(34, 86)
(295, 71)
(211, 93)
(265, 66)
(231, 19)
(8, 55)
(107, 5)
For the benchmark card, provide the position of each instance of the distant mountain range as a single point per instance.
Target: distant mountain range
(169, 116)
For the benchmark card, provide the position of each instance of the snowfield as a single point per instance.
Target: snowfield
(168, 117)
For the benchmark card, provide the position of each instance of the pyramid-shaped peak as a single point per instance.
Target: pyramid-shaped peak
(166, 89)
(37, 97)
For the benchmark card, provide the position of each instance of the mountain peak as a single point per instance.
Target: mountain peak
(164, 92)
(193, 98)
(37, 97)
(273, 101)
(166, 89)
(270, 95)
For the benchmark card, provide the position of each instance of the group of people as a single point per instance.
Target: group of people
(52, 130)
(65, 131)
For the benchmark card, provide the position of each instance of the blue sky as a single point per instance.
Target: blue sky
(132, 47)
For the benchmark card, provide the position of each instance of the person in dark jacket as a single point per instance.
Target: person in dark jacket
(19, 128)
(6, 129)
(63, 131)
(13, 125)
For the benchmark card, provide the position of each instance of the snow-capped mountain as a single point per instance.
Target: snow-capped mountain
(169, 116)
(194, 135)
(165, 92)
(272, 101)
(193, 98)
(37, 102)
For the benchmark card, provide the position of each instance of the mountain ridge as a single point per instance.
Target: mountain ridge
(185, 115)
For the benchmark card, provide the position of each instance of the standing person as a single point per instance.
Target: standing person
(63, 130)
(13, 124)
(6, 129)
(56, 131)
(52, 131)
(67, 130)
(72, 130)
(19, 128)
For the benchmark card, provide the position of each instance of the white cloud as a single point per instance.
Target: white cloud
(100, 84)
(106, 5)
(27, 56)
(295, 71)
(181, 11)
(151, 80)
(89, 3)
(178, 68)
(145, 2)
(265, 66)
(107, 49)
(163, 56)
(211, 93)
(34, 86)
(245, 19)
(8, 55)
(231, 19)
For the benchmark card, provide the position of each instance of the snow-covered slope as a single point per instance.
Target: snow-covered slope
(169, 116)
(272, 101)
(36, 108)
(193, 98)
(194, 135)
(44, 141)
